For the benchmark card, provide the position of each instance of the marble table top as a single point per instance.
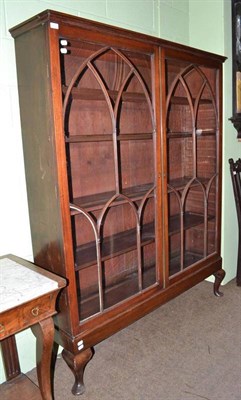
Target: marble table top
(19, 284)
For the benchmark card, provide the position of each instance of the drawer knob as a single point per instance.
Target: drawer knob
(2, 328)
(35, 311)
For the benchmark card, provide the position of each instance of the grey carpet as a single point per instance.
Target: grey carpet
(188, 349)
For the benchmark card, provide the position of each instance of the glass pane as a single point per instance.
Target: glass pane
(212, 218)
(119, 245)
(91, 169)
(87, 109)
(195, 232)
(175, 238)
(180, 160)
(134, 158)
(148, 240)
(109, 134)
(192, 163)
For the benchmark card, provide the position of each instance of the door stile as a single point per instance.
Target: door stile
(162, 154)
(219, 154)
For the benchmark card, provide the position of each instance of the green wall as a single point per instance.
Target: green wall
(204, 24)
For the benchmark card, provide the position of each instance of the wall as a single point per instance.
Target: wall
(177, 20)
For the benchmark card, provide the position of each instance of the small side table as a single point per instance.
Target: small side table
(28, 299)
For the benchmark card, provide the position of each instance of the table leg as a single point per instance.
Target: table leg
(44, 332)
(10, 357)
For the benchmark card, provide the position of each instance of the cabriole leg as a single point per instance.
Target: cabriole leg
(219, 276)
(53, 363)
(77, 364)
(44, 332)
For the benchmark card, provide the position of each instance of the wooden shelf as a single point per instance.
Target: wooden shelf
(180, 183)
(199, 133)
(184, 101)
(118, 292)
(98, 95)
(113, 246)
(190, 220)
(178, 135)
(108, 137)
(205, 132)
(98, 200)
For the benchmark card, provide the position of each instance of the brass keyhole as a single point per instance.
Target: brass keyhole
(35, 311)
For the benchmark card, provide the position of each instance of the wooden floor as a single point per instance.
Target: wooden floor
(21, 388)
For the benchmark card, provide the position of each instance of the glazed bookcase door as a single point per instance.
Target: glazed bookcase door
(110, 145)
(192, 123)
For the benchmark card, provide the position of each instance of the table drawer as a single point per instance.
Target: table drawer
(27, 314)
